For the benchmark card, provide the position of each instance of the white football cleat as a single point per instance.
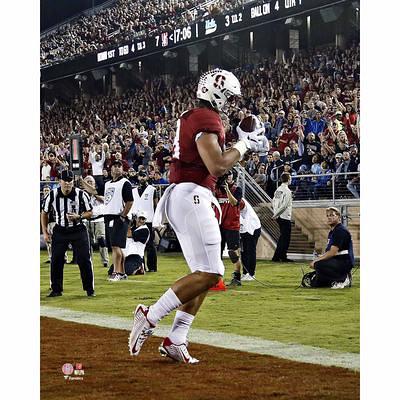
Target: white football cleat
(178, 352)
(142, 329)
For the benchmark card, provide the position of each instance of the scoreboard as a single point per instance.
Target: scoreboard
(251, 15)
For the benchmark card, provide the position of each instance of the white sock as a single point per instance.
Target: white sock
(165, 304)
(180, 327)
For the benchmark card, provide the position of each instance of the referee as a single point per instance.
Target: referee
(70, 205)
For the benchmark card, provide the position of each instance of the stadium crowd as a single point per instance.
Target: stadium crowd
(309, 106)
(124, 21)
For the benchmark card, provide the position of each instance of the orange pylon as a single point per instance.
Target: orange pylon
(219, 286)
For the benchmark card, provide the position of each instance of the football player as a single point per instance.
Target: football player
(198, 159)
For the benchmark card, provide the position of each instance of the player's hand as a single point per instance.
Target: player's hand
(312, 264)
(252, 139)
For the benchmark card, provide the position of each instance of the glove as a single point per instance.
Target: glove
(252, 139)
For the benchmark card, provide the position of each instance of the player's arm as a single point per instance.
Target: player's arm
(216, 161)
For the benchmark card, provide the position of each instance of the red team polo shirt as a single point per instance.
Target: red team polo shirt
(230, 218)
(186, 164)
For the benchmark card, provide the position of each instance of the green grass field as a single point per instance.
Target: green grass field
(318, 317)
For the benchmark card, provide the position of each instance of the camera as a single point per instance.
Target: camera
(221, 182)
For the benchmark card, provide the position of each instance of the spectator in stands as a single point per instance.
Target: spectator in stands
(106, 176)
(161, 155)
(45, 170)
(347, 165)
(132, 176)
(342, 144)
(285, 137)
(316, 125)
(253, 164)
(146, 152)
(263, 149)
(355, 157)
(97, 158)
(311, 147)
(158, 179)
(353, 185)
(280, 122)
(287, 155)
(322, 187)
(260, 177)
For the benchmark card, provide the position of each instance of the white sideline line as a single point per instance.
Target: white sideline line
(294, 352)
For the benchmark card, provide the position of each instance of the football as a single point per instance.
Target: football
(248, 124)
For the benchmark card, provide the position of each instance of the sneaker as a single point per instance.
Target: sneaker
(247, 277)
(54, 294)
(115, 276)
(141, 330)
(177, 352)
(91, 293)
(341, 285)
(234, 282)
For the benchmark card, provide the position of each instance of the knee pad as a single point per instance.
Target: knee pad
(101, 241)
(233, 256)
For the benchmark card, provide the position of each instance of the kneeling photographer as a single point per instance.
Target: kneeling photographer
(137, 238)
(333, 268)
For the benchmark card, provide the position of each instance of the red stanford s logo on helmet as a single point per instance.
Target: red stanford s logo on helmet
(219, 82)
(217, 87)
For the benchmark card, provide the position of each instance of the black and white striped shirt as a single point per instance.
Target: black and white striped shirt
(76, 202)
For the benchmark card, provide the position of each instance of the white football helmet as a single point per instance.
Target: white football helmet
(217, 86)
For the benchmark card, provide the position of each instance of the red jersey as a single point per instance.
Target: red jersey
(186, 164)
(230, 218)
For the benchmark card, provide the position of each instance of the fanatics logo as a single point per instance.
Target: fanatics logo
(68, 370)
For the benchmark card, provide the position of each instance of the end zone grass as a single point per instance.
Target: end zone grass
(316, 317)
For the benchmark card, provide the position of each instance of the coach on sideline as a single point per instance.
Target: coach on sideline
(70, 205)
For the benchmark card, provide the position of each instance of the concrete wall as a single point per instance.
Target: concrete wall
(312, 222)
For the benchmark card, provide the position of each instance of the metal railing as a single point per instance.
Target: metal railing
(260, 201)
(330, 186)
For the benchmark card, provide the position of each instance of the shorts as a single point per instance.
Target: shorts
(191, 216)
(116, 231)
(231, 238)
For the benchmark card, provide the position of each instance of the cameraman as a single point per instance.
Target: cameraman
(230, 199)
